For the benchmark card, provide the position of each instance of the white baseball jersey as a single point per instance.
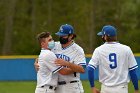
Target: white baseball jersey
(72, 53)
(114, 61)
(46, 74)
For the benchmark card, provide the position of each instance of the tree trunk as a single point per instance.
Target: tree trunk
(33, 16)
(49, 19)
(92, 25)
(9, 18)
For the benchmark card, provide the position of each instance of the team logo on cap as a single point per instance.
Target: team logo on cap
(61, 29)
(70, 32)
(104, 32)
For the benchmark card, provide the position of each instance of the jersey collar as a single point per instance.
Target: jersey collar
(44, 49)
(111, 42)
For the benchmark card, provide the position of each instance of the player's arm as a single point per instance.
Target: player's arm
(91, 80)
(92, 65)
(72, 66)
(63, 71)
(78, 64)
(50, 63)
(132, 70)
(66, 71)
(36, 65)
(134, 79)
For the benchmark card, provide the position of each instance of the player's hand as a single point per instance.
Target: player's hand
(36, 65)
(95, 90)
(61, 62)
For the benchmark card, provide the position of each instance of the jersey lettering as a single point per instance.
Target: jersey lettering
(113, 60)
(66, 58)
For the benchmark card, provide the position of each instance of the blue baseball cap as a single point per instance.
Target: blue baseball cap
(65, 30)
(108, 30)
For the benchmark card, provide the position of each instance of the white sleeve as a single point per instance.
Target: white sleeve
(50, 63)
(80, 58)
(132, 64)
(94, 62)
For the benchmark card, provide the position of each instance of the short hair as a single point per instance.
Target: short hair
(112, 38)
(74, 35)
(42, 35)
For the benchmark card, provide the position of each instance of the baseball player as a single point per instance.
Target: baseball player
(115, 61)
(47, 76)
(70, 55)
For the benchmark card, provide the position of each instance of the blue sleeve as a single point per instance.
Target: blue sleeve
(134, 78)
(91, 76)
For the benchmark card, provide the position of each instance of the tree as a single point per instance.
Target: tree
(9, 19)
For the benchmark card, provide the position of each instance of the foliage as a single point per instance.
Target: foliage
(31, 17)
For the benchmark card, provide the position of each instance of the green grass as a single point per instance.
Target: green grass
(29, 86)
(98, 85)
(17, 87)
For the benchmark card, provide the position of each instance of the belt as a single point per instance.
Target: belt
(50, 87)
(64, 82)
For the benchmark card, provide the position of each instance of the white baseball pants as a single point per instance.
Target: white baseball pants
(45, 89)
(70, 88)
(114, 89)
